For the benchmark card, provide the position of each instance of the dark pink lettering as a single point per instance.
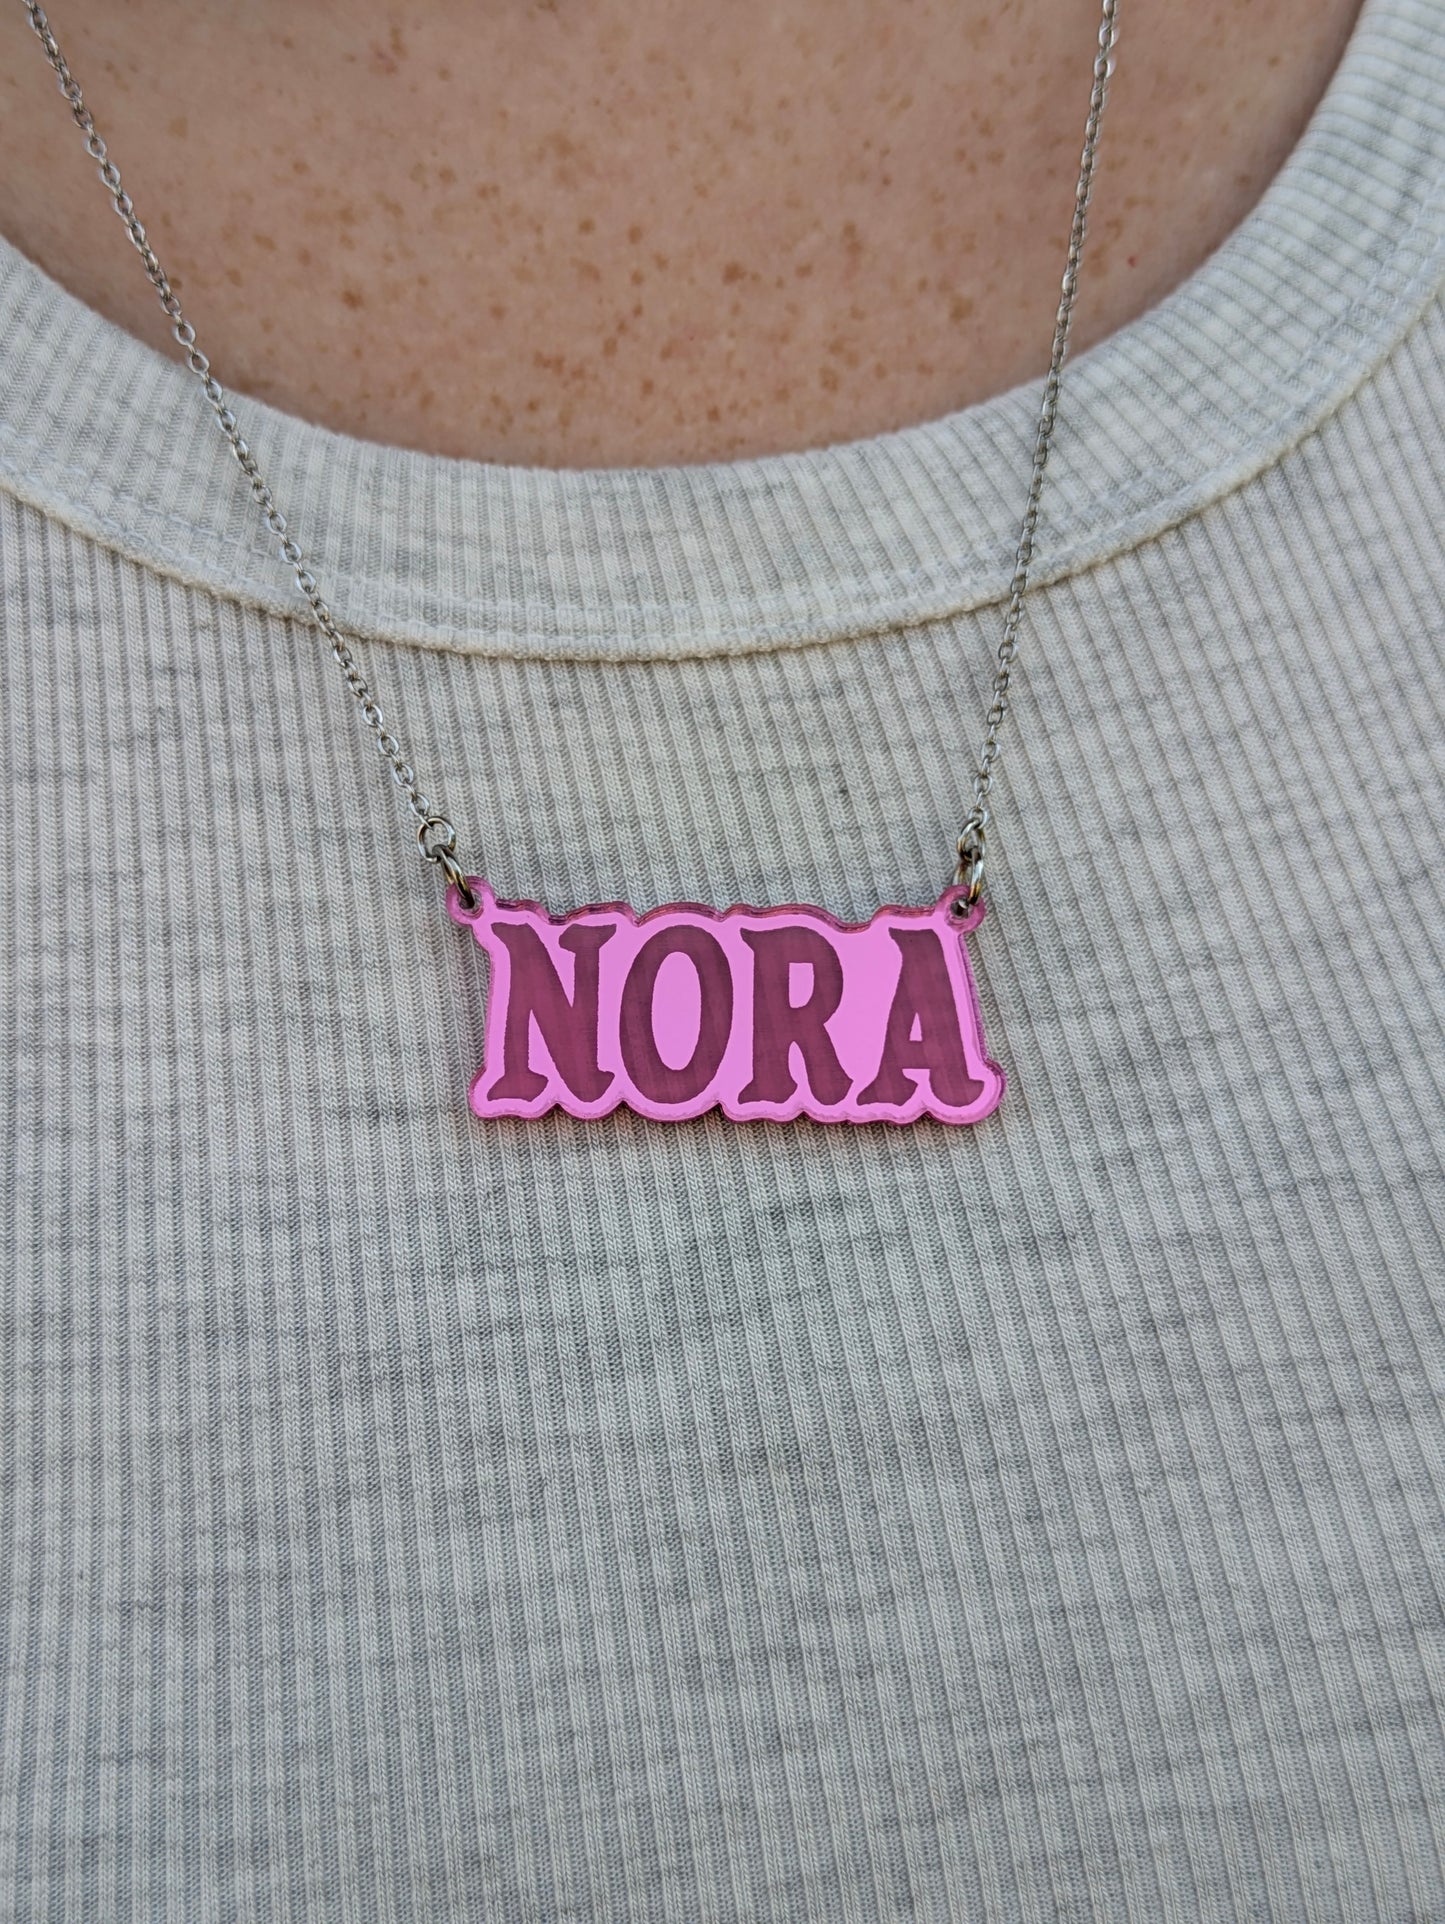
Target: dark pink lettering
(779, 1012)
(778, 1022)
(568, 1024)
(654, 1077)
(923, 1000)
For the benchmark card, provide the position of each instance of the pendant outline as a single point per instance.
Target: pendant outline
(622, 1091)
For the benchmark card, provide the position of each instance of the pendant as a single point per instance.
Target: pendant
(768, 1014)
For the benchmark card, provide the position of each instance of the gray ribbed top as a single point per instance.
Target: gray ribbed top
(408, 1518)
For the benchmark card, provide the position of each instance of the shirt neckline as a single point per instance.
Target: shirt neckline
(1248, 355)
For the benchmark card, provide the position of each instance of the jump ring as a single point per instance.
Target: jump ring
(969, 877)
(972, 849)
(437, 839)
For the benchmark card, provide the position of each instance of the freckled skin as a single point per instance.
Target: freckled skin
(618, 232)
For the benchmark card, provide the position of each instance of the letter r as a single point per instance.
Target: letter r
(778, 1022)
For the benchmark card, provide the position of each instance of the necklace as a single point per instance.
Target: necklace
(765, 1013)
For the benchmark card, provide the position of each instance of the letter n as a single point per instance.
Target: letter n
(568, 1026)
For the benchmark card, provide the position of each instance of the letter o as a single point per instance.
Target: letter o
(653, 1077)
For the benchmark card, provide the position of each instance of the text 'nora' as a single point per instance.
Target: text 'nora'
(767, 1014)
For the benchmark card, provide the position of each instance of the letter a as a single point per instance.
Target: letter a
(923, 999)
(568, 1027)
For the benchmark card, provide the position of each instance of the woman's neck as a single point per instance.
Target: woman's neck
(633, 232)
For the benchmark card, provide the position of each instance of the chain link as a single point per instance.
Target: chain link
(973, 837)
(436, 837)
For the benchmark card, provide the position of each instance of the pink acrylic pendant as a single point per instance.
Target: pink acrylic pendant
(767, 1014)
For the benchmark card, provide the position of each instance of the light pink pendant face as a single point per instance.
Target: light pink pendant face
(767, 1014)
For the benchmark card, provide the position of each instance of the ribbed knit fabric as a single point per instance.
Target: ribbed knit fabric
(408, 1518)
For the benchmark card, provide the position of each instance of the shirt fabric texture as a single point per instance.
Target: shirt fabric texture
(404, 1517)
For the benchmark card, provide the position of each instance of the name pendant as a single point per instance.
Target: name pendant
(767, 1014)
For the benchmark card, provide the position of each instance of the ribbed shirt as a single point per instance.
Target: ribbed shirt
(405, 1516)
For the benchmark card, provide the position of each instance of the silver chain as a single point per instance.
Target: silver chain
(436, 837)
(972, 840)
